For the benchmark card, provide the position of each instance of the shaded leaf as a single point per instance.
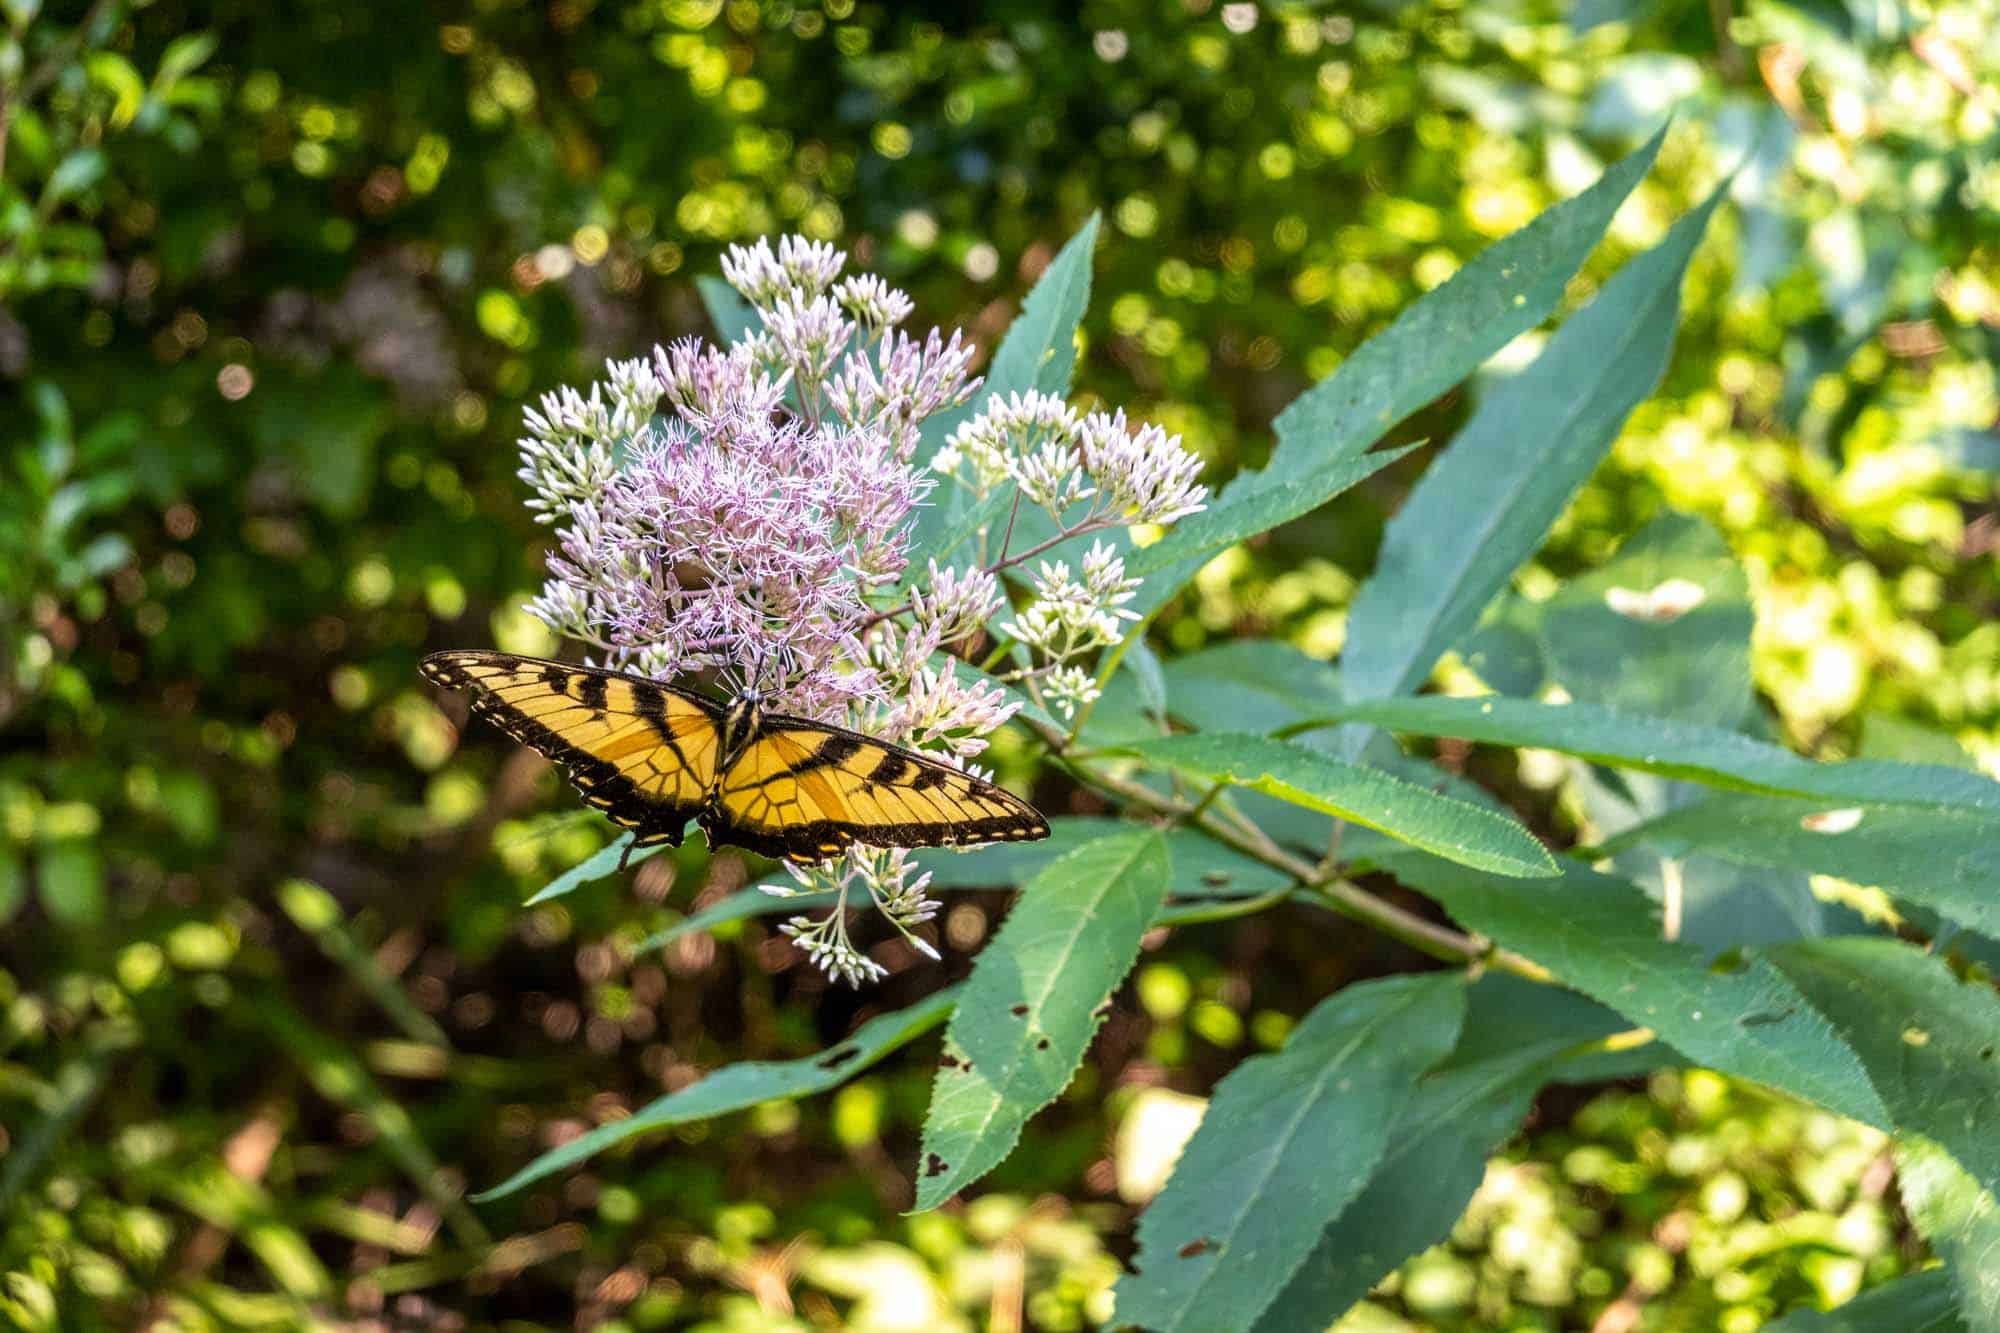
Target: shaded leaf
(1930, 1042)
(1423, 1182)
(1288, 1141)
(1260, 685)
(1944, 858)
(1031, 1005)
(598, 865)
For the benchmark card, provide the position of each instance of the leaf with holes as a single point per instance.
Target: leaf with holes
(1289, 1140)
(1602, 936)
(1033, 1003)
(1930, 1042)
(1946, 859)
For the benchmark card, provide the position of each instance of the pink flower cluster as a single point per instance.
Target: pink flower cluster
(744, 532)
(745, 511)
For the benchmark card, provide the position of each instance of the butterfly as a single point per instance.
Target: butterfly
(652, 757)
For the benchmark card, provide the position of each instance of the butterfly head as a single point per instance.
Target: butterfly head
(743, 719)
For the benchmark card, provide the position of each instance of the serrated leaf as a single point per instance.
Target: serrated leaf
(1446, 335)
(1502, 292)
(1457, 1117)
(1602, 936)
(1248, 510)
(1962, 1223)
(1921, 1303)
(739, 1086)
(1710, 755)
(1930, 1042)
(1944, 859)
(1450, 828)
(1031, 1005)
(1488, 500)
(1288, 1141)
(598, 865)
(1038, 351)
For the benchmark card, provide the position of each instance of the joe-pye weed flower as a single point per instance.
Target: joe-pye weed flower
(746, 511)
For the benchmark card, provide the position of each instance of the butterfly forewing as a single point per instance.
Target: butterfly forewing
(805, 791)
(648, 755)
(642, 752)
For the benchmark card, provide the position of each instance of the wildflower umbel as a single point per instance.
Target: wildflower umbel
(747, 512)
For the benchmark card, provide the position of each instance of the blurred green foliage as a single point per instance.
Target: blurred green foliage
(276, 286)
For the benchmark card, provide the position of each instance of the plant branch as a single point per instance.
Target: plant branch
(1348, 899)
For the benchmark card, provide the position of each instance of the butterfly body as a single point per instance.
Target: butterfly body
(654, 757)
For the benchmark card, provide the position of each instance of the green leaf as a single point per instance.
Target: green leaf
(1288, 1141)
(740, 1086)
(1930, 1042)
(1501, 293)
(184, 55)
(114, 73)
(732, 316)
(13, 882)
(1709, 755)
(1037, 352)
(1488, 500)
(1962, 1223)
(1423, 1182)
(1260, 685)
(1246, 511)
(1921, 1303)
(1945, 859)
(1662, 628)
(598, 865)
(1602, 936)
(72, 884)
(1032, 1003)
(73, 175)
(1451, 828)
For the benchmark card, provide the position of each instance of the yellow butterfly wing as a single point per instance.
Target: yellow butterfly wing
(803, 791)
(642, 752)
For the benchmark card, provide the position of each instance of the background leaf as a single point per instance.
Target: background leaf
(1961, 1221)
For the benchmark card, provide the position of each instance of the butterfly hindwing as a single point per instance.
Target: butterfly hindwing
(804, 791)
(644, 753)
